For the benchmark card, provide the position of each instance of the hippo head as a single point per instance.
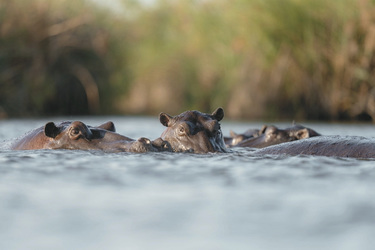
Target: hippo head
(235, 138)
(299, 132)
(271, 135)
(193, 131)
(77, 135)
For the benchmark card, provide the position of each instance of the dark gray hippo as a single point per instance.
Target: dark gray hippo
(193, 131)
(337, 146)
(271, 135)
(77, 135)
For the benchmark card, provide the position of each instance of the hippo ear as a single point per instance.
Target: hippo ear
(233, 134)
(164, 118)
(262, 130)
(51, 130)
(302, 134)
(218, 114)
(108, 126)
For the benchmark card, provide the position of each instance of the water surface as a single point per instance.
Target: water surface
(61, 199)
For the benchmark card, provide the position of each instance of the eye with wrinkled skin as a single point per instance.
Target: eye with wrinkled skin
(184, 129)
(75, 133)
(181, 131)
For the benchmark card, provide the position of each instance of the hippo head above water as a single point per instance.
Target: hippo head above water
(77, 135)
(193, 131)
(271, 135)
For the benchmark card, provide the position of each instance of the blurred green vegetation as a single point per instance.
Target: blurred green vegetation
(258, 59)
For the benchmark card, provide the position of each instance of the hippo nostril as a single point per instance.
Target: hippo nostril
(166, 145)
(144, 140)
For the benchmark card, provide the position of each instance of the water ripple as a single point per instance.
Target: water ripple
(91, 199)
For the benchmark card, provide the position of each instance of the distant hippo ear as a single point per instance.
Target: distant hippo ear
(51, 130)
(233, 134)
(262, 130)
(302, 134)
(218, 114)
(164, 118)
(108, 126)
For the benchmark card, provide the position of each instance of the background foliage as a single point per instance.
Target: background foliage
(259, 59)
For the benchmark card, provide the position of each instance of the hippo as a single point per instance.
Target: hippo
(271, 135)
(77, 135)
(235, 138)
(336, 146)
(193, 131)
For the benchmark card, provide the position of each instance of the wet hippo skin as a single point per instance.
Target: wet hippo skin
(235, 138)
(337, 146)
(77, 135)
(270, 135)
(193, 131)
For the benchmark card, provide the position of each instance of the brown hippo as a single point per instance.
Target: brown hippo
(193, 131)
(235, 138)
(339, 146)
(271, 135)
(77, 135)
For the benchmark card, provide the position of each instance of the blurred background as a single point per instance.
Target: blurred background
(258, 59)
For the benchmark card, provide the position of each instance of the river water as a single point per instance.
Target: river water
(60, 199)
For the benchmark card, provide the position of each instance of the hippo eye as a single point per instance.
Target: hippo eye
(74, 132)
(181, 130)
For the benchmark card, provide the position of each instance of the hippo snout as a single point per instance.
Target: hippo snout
(144, 140)
(162, 145)
(143, 145)
(166, 146)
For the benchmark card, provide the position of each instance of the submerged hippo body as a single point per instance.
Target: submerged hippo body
(193, 131)
(77, 135)
(337, 146)
(271, 135)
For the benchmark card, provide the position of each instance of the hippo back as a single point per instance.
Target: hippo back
(337, 146)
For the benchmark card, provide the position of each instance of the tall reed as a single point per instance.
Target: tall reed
(259, 59)
(57, 58)
(310, 59)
